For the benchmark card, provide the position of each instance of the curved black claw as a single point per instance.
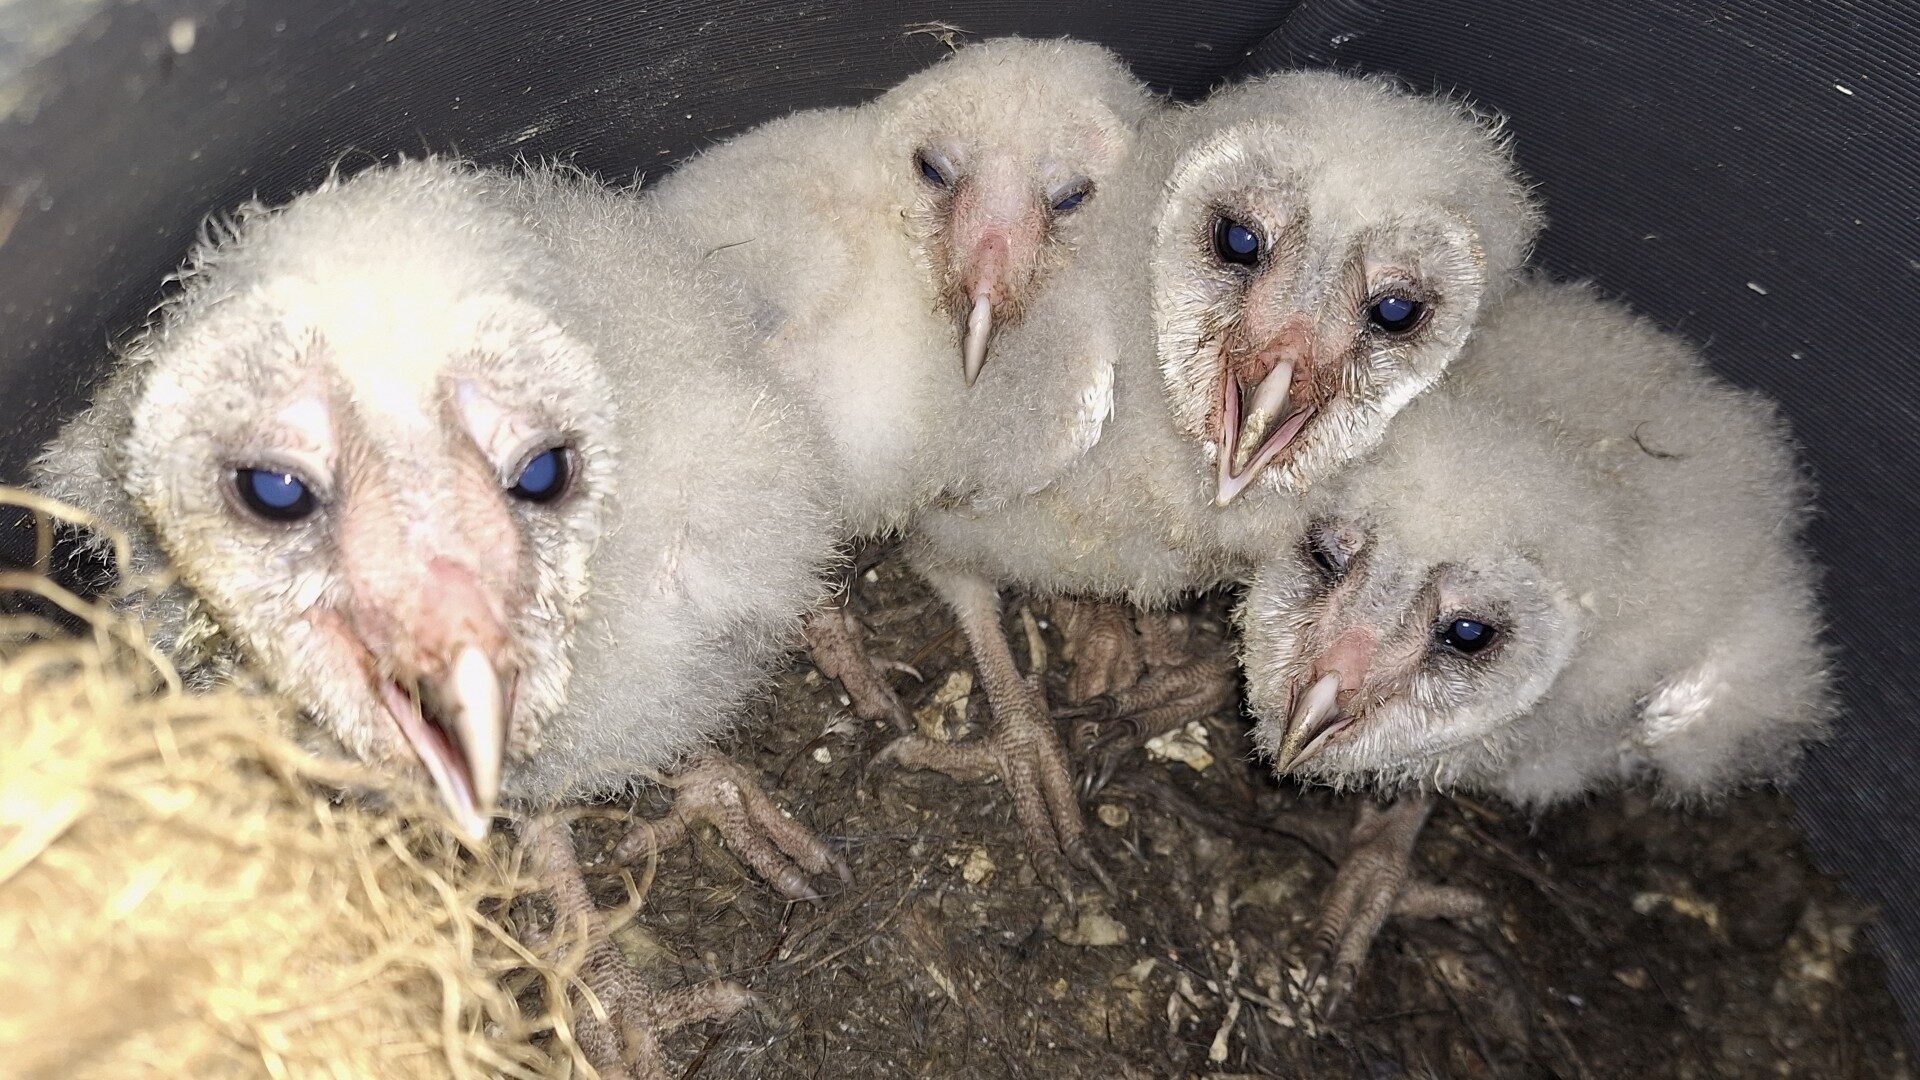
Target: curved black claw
(1080, 854)
(1094, 725)
(1092, 780)
(1328, 983)
(1097, 707)
(1101, 746)
(620, 1036)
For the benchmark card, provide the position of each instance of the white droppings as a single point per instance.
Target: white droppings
(1845, 90)
(1757, 287)
(181, 35)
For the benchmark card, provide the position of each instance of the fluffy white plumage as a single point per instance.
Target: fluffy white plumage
(1351, 190)
(869, 239)
(404, 341)
(1625, 521)
(1358, 195)
(1356, 189)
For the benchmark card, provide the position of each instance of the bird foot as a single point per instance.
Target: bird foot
(1165, 638)
(1100, 644)
(834, 641)
(1375, 881)
(619, 1020)
(1024, 751)
(621, 1028)
(1108, 728)
(719, 791)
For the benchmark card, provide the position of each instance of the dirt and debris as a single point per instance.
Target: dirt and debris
(1628, 939)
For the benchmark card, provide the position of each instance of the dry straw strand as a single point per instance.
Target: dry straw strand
(184, 892)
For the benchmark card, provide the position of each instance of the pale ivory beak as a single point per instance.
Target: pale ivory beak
(973, 346)
(1269, 404)
(458, 727)
(1316, 715)
(1247, 447)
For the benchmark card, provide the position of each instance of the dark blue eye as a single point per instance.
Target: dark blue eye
(1072, 200)
(1396, 314)
(275, 496)
(545, 478)
(930, 171)
(1467, 635)
(1235, 243)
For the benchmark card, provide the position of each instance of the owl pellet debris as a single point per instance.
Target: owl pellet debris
(944, 716)
(1187, 745)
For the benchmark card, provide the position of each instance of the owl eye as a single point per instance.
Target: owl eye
(1072, 200)
(1326, 554)
(546, 477)
(1396, 314)
(1235, 243)
(273, 495)
(1466, 635)
(929, 171)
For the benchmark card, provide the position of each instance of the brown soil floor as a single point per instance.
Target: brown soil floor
(1629, 940)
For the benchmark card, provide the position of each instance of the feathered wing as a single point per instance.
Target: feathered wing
(1718, 597)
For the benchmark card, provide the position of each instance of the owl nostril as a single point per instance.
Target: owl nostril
(1291, 345)
(1350, 656)
(1295, 338)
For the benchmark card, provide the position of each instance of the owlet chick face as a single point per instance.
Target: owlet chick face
(992, 155)
(382, 467)
(1366, 656)
(1322, 253)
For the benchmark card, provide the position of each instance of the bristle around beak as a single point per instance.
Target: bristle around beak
(1316, 716)
(457, 725)
(973, 347)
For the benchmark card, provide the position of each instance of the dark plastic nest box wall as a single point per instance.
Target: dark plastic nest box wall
(1743, 172)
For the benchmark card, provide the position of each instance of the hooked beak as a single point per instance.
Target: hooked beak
(1316, 716)
(457, 724)
(988, 270)
(973, 343)
(1247, 446)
